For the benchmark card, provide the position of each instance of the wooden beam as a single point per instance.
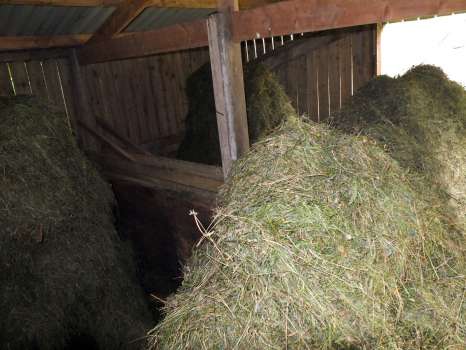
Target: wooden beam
(91, 3)
(33, 55)
(174, 38)
(299, 16)
(227, 77)
(11, 43)
(125, 13)
(128, 10)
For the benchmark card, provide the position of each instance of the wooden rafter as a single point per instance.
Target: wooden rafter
(10, 43)
(61, 2)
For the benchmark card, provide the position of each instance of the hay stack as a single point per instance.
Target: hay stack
(321, 242)
(65, 276)
(420, 118)
(267, 106)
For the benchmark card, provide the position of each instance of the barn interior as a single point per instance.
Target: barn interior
(119, 71)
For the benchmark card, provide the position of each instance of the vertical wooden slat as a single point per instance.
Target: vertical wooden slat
(334, 77)
(312, 85)
(83, 110)
(362, 57)
(53, 83)
(117, 88)
(64, 70)
(323, 83)
(344, 48)
(6, 88)
(36, 78)
(158, 93)
(20, 78)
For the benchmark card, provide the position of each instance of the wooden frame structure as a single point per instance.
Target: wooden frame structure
(222, 32)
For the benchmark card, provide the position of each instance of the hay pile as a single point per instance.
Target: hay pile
(65, 276)
(420, 118)
(322, 241)
(267, 106)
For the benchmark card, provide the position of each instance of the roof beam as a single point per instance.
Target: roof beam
(173, 38)
(280, 18)
(299, 16)
(90, 3)
(11, 43)
(128, 10)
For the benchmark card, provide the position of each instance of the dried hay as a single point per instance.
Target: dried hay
(420, 119)
(267, 106)
(322, 241)
(65, 275)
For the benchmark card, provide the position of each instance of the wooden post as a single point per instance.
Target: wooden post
(378, 49)
(227, 76)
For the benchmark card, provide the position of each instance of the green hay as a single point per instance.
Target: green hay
(420, 119)
(64, 273)
(267, 106)
(322, 241)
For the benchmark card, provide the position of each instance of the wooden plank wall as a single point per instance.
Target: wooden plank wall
(48, 79)
(144, 99)
(320, 80)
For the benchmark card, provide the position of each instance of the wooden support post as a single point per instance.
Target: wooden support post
(230, 101)
(378, 49)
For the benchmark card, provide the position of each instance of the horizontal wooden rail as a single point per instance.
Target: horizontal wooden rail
(299, 16)
(160, 172)
(8, 43)
(173, 38)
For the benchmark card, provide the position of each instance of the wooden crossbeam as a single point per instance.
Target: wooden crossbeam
(299, 16)
(174, 38)
(90, 3)
(10, 43)
(128, 10)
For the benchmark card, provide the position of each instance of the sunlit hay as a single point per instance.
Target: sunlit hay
(420, 119)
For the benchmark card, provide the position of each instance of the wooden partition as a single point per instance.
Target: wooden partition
(143, 99)
(46, 75)
(319, 73)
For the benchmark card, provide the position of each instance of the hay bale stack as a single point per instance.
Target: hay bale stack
(266, 102)
(65, 276)
(321, 242)
(420, 118)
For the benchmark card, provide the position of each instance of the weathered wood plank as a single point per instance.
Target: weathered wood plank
(324, 97)
(37, 80)
(169, 39)
(299, 16)
(346, 63)
(64, 72)
(41, 42)
(20, 78)
(312, 85)
(334, 77)
(6, 89)
(230, 102)
(53, 83)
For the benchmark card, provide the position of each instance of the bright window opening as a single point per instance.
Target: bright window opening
(440, 41)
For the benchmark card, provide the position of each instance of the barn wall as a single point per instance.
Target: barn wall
(144, 99)
(49, 78)
(319, 78)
